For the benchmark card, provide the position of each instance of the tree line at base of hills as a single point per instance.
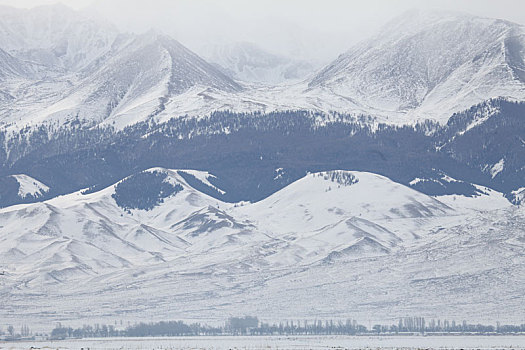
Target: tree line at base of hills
(11, 333)
(244, 150)
(250, 325)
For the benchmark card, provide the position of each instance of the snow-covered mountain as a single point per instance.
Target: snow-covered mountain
(326, 238)
(247, 62)
(90, 71)
(133, 81)
(61, 64)
(430, 64)
(54, 36)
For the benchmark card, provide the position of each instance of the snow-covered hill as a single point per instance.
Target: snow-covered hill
(197, 224)
(326, 238)
(325, 214)
(430, 64)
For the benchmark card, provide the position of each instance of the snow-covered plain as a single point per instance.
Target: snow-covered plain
(284, 342)
(331, 245)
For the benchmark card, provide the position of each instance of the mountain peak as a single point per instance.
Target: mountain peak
(431, 64)
(55, 36)
(417, 19)
(54, 7)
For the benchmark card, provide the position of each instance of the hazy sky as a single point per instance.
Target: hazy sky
(311, 29)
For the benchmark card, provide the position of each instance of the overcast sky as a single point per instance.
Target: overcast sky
(310, 29)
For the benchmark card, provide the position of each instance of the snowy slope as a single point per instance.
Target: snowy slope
(54, 35)
(333, 234)
(30, 186)
(368, 209)
(81, 234)
(351, 212)
(487, 200)
(11, 67)
(429, 64)
(90, 71)
(129, 83)
(247, 62)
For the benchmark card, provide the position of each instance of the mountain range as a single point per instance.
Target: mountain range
(139, 180)
(422, 65)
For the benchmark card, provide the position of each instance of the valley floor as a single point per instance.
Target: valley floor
(284, 342)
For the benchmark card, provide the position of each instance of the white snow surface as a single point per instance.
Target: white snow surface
(204, 177)
(30, 186)
(281, 342)
(497, 168)
(487, 200)
(346, 244)
(518, 195)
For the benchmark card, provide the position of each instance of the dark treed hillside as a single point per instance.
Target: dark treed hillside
(244, 151)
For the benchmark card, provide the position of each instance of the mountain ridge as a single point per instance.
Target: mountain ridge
(413, 68)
